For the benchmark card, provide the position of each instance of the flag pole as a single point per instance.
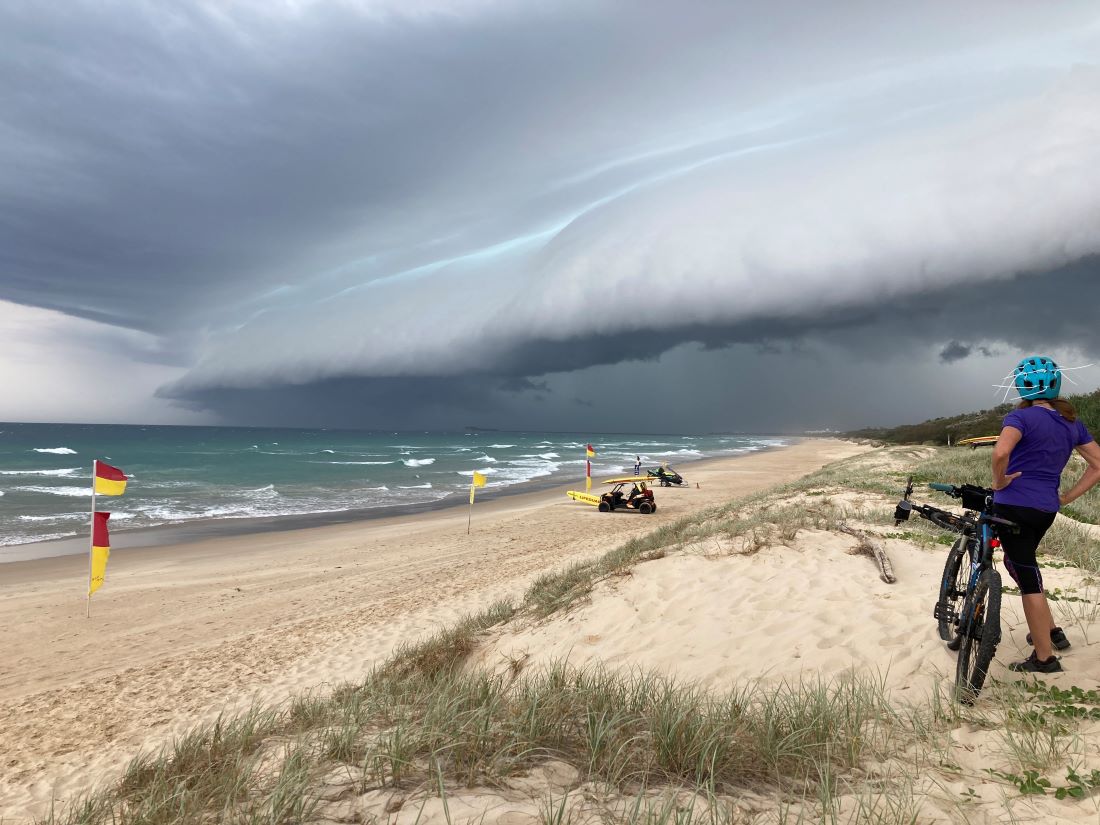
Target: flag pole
(91, 543)
(470, 514)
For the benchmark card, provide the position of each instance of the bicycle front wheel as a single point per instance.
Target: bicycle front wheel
(980, 628)
(952, 591)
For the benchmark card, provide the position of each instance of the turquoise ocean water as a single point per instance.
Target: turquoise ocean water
(190, 475)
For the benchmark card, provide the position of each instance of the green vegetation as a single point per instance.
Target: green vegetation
(938, 431)
(424, 727)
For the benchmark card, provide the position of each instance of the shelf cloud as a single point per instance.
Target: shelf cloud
(465, 204)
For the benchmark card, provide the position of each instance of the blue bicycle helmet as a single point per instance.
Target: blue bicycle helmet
(1037, 378)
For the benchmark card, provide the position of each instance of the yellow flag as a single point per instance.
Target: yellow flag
(99, 568)
(479, 481)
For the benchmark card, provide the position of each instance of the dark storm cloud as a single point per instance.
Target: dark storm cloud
(377, 403)
(1035, 311)
(436, 206)
(955, 351)
(1042, 312)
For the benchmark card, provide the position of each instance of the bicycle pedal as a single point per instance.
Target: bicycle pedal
(943, 612)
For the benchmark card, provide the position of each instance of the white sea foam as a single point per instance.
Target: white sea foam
(353, 462)
(525, 469)
(58, 517)
(57, 473)
(417, 462)
(76, 492)
(55, 450)
(328, 451)
(499, 446)
(170, 485)
(485, 471)
(427, 486)
(13, 540)
(487, 458)
(548, 456)
(162, 512)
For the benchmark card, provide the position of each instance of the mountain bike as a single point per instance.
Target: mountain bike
(974, 628)
(953, 582)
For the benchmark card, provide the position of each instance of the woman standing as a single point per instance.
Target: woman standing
(1034, 446)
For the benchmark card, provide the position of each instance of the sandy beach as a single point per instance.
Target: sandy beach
(181, 633)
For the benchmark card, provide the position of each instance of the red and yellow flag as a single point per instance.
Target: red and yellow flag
(109, 481)
(589, 451)
(101, 550)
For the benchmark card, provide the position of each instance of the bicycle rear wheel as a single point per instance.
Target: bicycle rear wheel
(980, 627)
(952, 591)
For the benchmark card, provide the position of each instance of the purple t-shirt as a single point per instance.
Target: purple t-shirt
(1041, 455)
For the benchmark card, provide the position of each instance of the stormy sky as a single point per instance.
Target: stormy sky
(662, 217)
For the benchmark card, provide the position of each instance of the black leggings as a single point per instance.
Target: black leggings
(1020, 547)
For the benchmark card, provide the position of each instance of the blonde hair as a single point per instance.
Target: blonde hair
(1064, 407)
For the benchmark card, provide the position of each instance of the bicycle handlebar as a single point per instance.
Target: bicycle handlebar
(947, 520)
(943, 488)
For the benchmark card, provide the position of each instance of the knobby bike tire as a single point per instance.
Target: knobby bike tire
(952, 589)
(980, 626)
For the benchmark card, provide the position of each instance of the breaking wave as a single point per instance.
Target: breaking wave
(75, 492)
(68, 473)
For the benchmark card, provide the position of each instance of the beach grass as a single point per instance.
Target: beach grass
(410, 729)
(423, 724)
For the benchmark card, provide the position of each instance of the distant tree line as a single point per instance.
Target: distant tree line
(970, 425)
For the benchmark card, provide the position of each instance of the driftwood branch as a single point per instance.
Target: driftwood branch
(869, 547)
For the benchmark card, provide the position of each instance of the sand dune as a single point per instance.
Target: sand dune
(812, 609)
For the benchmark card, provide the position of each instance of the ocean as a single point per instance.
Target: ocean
(193, 475)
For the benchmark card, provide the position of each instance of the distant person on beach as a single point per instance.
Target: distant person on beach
(1037, 440)
(637, 466)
